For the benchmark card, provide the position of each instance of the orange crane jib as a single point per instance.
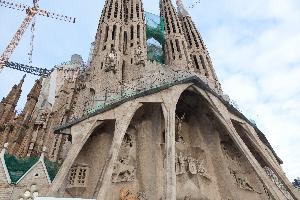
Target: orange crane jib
(31, 12)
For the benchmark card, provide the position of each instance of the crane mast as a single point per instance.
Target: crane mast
(31, 13)
(15, 40)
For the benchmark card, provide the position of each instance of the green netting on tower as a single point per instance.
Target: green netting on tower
(52, 168)
(155, 53)
(155, 27)
(17, 167)
(155, 30)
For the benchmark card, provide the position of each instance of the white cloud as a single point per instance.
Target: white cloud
(255, 46)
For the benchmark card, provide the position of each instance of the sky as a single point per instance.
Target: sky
(255, 47)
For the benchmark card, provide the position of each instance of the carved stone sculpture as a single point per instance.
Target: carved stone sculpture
(111, 61)
(139, 56)
(178, 135)
(184, 164)
(242, 182)
(188, 197)
(124, 170)
(278, 183)
(192, 165)
(126, 194)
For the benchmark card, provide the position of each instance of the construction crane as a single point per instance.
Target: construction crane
(29, 69)
(195, 3)
(31, 13)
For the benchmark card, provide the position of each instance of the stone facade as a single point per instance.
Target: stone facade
(176, 50)
(123, 127)
(198, 52)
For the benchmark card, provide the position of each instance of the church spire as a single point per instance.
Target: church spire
(32, 99)
(134, 41)
(120, 47)
(198, 52)
(106, 61)
(181, 9)
(175, 44)
(23, 125)
(8, 104)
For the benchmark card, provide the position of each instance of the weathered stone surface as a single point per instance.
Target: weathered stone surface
(125, 128)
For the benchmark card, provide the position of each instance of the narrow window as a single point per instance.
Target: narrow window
(172, 47)
(137, 10)
(123, 71)
(196, 62)
(131, 32)
(177, 45)
(116, 10)
(131, 14)
(106, 33)
(204, 65)
(138, 31)
(114, 32)
(125, 41)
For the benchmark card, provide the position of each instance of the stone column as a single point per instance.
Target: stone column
(122, 123)
(170, 179)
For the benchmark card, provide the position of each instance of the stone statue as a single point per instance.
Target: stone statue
(192, 165)
(181, 160)
(178, 137)
(190, 66)
(123, 172)
(111, 61)
(241, 181)
(126, 194)
(43, 116)
(278, 183)
(188, 197)
(139, 56)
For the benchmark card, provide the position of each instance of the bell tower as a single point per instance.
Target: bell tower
(120, 46)
(175, 45)
(8, 104)
(198, 52)
(106, 62)
(134, 40)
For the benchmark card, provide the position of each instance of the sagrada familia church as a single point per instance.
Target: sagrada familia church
(139, 122)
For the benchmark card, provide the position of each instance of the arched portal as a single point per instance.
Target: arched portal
(88, 166)
(138, 172)
(209, 165)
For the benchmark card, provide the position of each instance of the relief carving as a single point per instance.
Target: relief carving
(124, 168)
(236, 166)
(123, 172)
(242, 182)
(231, 152)
(278, 183)
(184, 164)
(126, 194)
(178, 128)
(139, 56)
(111, 61)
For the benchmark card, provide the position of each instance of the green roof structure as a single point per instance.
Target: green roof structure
(18, 167)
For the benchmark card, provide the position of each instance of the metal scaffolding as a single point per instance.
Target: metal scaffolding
(28, 69)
